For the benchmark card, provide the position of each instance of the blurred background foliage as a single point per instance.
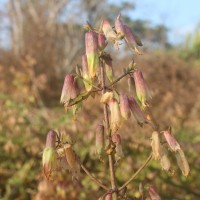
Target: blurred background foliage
(44, 41)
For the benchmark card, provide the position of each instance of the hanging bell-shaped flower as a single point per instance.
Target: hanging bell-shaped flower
(164, 161)
(171, 141)
(136, 111)
(115, 115)
(102, 42)
(49, 154)
(132, 40)
(72, 160)
(108, 31)
(70, 89)
(142, 89)
(156, 145)
(119, 27)
(182, 162)
(124, 106)
(106, 97)
(91, 46)
(116, 138)
(109, 68)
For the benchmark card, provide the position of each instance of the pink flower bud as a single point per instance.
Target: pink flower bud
(124, 106)
(156, 146)
(49, 154)
(108, 196)
(91, 45)
(100, 139)
(102, 43)
(115, 115)
(182, 162)
(153, 193)
(119, 27)
(171, 141)
(108, 31)
(116, 138)
(70, 89)
(87, 81)
(142, 90)
(72, 161)
(135, 109)
(131, 39)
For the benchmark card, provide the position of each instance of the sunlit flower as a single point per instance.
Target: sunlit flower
(142, 89)
(106, 97)
(119, 27)
(171, 141)
(156, 146)
(108, 31)
(70, 89)
(132, 40)
(102, 43)
(124, 106)
(49, 154)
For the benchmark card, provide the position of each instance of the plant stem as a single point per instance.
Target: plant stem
(136, 173)
(93, 178)
(110, 158)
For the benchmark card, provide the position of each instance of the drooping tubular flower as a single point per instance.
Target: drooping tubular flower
(119, 27)
(182, 162)
(171, 141)
(132, 40)
(115, 115)
(106, 97)
(116, 138)
(87, 81)
(100, 139)
(70, 89)
(108, 31)
(91, 47)
(137, 112)
(153, 193)
(124, 107)
(109, 68)
(164, 160)
(49, 154)
(156, 145)
(142, 90)
(72, 160)
(102, 43)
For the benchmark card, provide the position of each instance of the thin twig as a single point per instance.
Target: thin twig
(93, 178)
(136, 173)
(105, 108)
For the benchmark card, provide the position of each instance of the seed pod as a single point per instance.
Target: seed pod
(100, 139)
(70, 89)
(115, 115)
(153, 193)
(106, 97)
(124, 107)
(135, 109)
(102, 43)
(87, 80)
(49, 154)
(164, 161)
(91, 45)
(72, 161)
(116, 138)
(142, 90)
(108, 31)
(156, 146)
(182, 162)
(119, 27)
(132, 40)
(171, 141)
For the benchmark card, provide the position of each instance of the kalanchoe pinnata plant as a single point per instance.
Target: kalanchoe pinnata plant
(97, 77)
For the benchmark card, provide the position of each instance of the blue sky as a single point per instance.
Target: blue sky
(180, 16)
